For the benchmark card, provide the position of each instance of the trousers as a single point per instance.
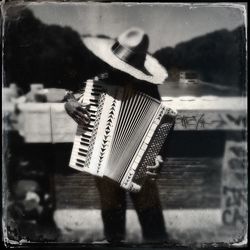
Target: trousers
(146, 203)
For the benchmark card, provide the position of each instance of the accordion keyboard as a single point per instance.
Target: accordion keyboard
(91, 96)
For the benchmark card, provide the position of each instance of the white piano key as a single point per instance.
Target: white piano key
(92, 108)
(147, 140)
(76, 156)
(141, 152)
(88, 95)
(150, 133)
(80, 146)
(157, 122)
(154, 126)
(134, 166)
(137, 160)
(76, 151)
(87, 134)
(81, 161)
(144, 146)
(84, 140)
(81, 139)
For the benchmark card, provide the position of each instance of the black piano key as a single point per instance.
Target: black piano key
(91, 111)
(94, 100)
(98, 87)
(95, 94)
(83, 150)
(88, 126)
(96, 90)
(84, 140)
(79, 165)
(86, 136)
(84, 144)
(82, 154)
(81, 161)
(85, 132)
(87, 129)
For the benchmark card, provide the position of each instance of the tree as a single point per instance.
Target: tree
(219, 57)
(49, 54)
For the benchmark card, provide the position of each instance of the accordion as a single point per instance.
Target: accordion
(126, 132)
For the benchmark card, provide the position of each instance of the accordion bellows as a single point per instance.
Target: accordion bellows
(126, 132)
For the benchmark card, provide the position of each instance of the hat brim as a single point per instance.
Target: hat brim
(101, 47)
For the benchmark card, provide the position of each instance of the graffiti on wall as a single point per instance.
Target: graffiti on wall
(210, 120)
(234, 184)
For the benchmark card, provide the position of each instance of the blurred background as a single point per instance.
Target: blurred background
(203, 185)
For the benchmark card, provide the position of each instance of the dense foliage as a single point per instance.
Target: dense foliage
(219, 57)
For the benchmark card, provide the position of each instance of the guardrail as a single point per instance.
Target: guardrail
(48, 122)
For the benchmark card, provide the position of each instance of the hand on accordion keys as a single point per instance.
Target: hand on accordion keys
(76, 110)
(152, 170)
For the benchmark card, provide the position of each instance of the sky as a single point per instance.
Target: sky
(166, 24)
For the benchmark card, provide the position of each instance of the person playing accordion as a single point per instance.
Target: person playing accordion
(126, 63)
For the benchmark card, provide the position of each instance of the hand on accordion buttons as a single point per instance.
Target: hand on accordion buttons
(76, 110)
(152, 170)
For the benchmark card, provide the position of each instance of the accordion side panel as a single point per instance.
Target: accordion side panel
(152, 150)
(108, 132)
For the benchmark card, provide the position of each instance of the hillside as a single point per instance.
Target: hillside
(49, 54)
(219, 57)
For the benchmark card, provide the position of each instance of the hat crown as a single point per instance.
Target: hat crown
(134, 39)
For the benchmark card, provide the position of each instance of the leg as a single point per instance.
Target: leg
(148, 208)
(113, 205)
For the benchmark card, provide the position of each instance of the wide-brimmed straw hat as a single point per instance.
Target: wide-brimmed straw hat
(128, 53)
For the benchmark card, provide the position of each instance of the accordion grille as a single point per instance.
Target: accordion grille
(135, 116)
